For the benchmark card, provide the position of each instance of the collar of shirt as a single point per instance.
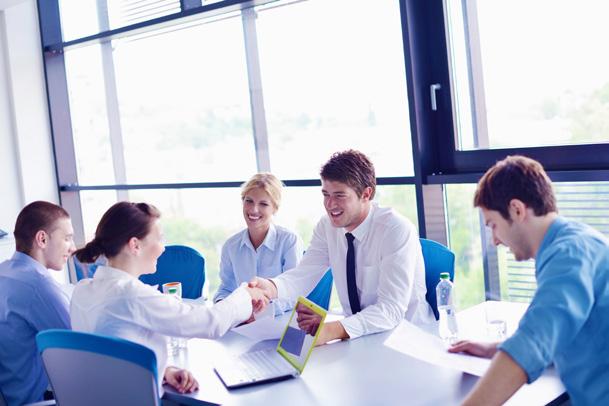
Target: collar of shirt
(360, 231)
(550, 235)
(269, 240)
(26, 262)
(107, 272)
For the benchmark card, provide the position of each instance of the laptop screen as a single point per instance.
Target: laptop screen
(299, 337)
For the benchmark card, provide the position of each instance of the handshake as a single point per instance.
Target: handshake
(262, 291)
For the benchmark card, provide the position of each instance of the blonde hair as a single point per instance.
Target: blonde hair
(267, 182)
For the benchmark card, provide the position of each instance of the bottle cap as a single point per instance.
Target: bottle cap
(445, 275)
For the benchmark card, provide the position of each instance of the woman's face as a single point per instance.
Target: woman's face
(151, 248)
(258, 210)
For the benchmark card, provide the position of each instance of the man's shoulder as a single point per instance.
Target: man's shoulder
(389, 218)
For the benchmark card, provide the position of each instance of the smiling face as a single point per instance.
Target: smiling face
(258, 210)
(342, 204)
(57, 245)
(509, 233)
(150, 248)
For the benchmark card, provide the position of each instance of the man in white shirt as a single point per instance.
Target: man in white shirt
(374, 253)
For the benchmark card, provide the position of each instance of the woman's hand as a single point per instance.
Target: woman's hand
(181, 380)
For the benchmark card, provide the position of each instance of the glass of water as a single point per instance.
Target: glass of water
(496, 327)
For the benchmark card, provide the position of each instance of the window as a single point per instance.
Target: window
(329, 89)
(528, 78)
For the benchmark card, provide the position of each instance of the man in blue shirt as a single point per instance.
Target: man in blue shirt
(566, 322)
(30, 299)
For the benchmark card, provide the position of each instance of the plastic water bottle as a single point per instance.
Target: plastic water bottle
(175, 343)
(445, 294)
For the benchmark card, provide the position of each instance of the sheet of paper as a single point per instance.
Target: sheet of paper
(266, 327)
(412, 341)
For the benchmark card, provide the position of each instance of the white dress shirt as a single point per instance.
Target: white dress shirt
(117, 304)
(389, 271)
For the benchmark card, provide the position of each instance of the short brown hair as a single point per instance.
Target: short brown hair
(34, 217)
(120, 223)
(352, 168)
(516, 177)
(267, 182)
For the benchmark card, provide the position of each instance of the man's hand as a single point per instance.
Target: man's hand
(259, 299)
(330, 332)
(307, 319)
(266, 285)
(181, 379)
(484, 350)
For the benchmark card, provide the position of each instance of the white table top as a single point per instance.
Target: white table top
(355, 372)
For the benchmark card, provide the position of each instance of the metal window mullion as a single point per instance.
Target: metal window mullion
(59, 114)
(112, 108)
(254, 75)
(490, 262)
(475, 72)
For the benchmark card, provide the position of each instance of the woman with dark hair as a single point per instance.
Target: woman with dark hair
(116, 303)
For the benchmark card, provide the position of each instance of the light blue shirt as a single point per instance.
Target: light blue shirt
(240, 262)
(30, 301)
(568, 319)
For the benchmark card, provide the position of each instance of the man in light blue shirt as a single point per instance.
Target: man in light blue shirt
(30, 299)
(566, 322)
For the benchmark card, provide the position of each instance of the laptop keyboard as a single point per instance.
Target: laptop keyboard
(258, 365)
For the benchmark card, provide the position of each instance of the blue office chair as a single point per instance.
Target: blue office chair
(87, 270)
(179, 264)
(437, 259)
(321, 294)
(94, 370)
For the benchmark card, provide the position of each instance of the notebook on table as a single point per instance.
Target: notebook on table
(286, 361)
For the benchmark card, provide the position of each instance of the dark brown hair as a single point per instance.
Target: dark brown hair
(34, 217)
(118, 225)
(516, 177)
(352, 168)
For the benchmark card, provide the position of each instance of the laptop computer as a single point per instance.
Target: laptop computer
(286, 361)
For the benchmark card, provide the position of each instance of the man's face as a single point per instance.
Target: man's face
(59, 244)
(342, 204)
(508, 233)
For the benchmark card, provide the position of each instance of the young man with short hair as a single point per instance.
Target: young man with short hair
(566, 322)
(30, 299)
(374, 253)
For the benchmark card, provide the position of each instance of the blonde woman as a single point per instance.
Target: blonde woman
(263, 248)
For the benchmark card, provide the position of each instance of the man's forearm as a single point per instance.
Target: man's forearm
(503, 378)
(333, 330)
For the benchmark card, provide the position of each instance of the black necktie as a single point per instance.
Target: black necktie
(351, 285)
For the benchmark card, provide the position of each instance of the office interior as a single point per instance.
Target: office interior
(177, 102)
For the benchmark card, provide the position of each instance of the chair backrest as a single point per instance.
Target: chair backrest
(94, 370)
(2, 400)
(179, 264)
(321, 294)
(437, 259)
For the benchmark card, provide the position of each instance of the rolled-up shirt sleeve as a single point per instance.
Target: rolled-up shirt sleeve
(396, 280)
(559, 309)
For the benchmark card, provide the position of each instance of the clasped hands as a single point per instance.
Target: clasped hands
(262, 291)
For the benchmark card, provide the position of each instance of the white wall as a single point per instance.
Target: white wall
(27, 170)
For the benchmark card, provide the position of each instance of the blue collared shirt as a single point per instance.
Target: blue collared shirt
(30, 301)
(568, 319)
(240, 262)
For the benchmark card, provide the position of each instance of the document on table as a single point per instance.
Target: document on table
(265, 327)
(412, 341)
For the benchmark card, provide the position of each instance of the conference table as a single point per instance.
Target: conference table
(363, 371)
